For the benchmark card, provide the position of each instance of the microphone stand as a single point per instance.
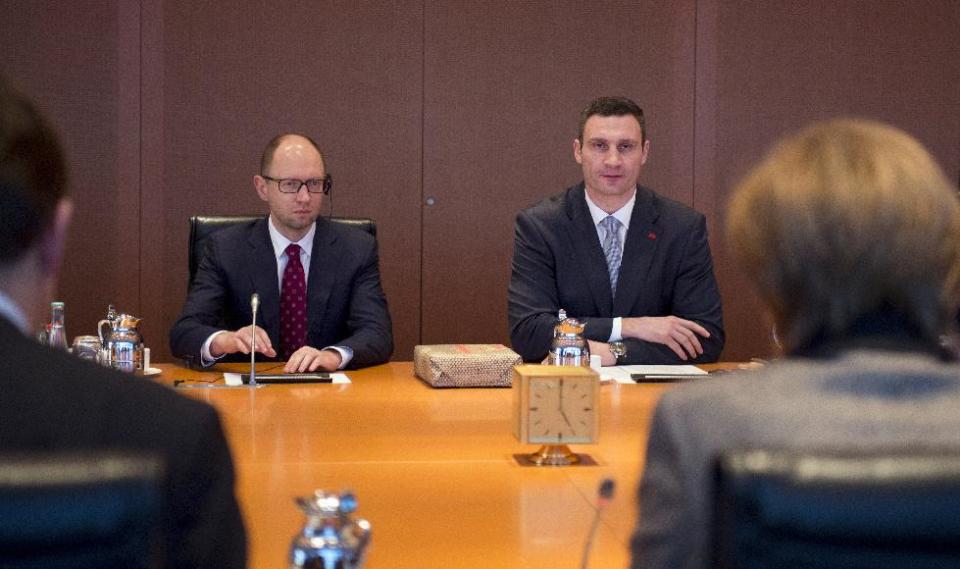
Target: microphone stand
(604, 495)
(254, 305)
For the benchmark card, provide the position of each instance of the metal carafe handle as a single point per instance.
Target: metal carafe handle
(100, 330)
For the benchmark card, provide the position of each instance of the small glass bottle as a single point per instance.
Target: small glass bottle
(57, 336)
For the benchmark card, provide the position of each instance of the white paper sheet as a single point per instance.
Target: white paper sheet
(621, 374)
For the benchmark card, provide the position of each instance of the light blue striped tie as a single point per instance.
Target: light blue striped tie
(611, 249)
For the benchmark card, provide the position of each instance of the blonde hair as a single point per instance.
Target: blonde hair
(847, 218)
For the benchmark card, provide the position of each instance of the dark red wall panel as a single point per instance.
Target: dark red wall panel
(164, 107)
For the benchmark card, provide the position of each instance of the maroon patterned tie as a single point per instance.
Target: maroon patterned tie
(293, 305)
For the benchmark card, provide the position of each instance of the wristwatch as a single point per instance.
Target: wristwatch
(619, 350)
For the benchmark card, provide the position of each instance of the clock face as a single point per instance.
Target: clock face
(561, 410)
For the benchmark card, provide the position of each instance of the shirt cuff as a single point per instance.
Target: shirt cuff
(207, 360)
(616, 330)
(346, 354)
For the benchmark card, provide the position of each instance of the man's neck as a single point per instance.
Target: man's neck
(290, 234)
(26, 293)
(609, 204)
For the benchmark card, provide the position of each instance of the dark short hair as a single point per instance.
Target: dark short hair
(613, 107)
(33, 177)
(266, 160)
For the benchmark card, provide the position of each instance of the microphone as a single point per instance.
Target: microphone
(604, 496)
(254, 306)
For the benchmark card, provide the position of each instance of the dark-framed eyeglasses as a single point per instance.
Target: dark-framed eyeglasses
(293, 185)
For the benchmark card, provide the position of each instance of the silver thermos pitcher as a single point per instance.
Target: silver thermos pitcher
(569, 347)
(330, 538)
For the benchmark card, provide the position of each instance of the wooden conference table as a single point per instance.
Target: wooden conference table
(432, 469)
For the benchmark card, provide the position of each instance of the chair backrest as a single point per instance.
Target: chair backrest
(783, 509)
(203, 226)
(81, 511)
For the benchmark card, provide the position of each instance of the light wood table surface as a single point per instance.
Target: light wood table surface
(432, 469)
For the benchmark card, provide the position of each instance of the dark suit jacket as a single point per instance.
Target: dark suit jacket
(345, 302)
(54, 402)
(864, 398)
(666, 270)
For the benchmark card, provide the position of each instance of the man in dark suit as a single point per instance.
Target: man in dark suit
(851, 233)
(633, 265)
(322, 306)
(53, 402)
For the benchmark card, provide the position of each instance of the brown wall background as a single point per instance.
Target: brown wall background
(164, 107)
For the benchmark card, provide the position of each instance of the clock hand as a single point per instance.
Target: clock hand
(562, 412)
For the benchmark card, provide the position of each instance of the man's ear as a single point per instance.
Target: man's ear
(261, 184)
(577, 151)
(54, 238)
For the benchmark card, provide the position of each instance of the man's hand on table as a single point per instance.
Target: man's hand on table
(678, 334)
(308, 359)
(232, 342)
(602, 349)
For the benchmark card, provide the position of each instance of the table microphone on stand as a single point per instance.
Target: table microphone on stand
(254, 305)
(604, 495)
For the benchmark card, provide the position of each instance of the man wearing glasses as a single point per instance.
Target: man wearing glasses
(321, 303)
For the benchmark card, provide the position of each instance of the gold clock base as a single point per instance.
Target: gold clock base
(554, 455)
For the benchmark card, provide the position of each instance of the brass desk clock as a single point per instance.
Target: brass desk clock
(555, 406)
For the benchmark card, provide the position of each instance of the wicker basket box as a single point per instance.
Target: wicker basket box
(465, 365)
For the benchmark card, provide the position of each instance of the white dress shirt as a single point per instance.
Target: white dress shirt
(622, 215)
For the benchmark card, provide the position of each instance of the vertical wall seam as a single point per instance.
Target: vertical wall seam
(423, 94)
(140, 240)
(696, 84)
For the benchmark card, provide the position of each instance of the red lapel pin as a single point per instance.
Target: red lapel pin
(652, 236)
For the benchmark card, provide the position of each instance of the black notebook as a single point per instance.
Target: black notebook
(288, 378)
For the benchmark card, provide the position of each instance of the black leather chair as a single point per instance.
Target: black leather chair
(874, 511)
(203, 226)
(79, 512)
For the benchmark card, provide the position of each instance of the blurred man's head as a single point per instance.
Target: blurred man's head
(845, 220)
(32, 175)
(34, 210)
